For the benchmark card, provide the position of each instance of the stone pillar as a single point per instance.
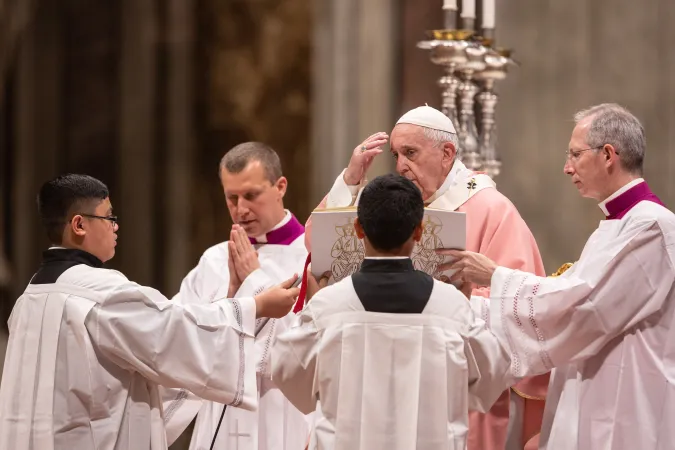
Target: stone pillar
(38, 133)
(354, 77)
(180, 143)
(138, 202)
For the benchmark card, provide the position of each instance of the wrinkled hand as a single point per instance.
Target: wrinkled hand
(277, 301)
(470, 267)
(244, 256)
(314, 285)
(362, 159)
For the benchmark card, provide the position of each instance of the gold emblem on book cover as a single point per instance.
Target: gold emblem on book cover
(347, 252)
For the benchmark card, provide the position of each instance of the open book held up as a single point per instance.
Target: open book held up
(336, 249)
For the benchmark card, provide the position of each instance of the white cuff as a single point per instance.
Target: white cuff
(481, 308)
(499, 277)
(248, 311)
(342, 195)
(254, 284)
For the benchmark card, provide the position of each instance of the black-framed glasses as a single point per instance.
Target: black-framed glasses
(112, 219)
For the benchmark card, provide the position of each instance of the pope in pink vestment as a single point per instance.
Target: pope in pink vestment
(494, 228)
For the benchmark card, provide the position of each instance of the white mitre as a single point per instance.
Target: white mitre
(426, 116)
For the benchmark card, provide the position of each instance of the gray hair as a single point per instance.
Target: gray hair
(615, 125)
(439, 137)
(237, 158)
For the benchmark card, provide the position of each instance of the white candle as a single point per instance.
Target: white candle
(450, 4)
(468, 9)
(488, 13)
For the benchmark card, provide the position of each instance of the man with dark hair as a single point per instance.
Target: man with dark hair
(71, 193)
(424, 144)
(254, 188)
(88, 348)
(395, 357)
(393, 197)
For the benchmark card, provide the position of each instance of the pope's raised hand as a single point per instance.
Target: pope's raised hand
(362, 157)
(277, 301)
(244, 256)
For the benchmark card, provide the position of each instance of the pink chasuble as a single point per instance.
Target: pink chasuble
(496, 230)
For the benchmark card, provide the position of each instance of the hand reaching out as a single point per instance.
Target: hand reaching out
(277, 301)
(470, 267)
(314, 285)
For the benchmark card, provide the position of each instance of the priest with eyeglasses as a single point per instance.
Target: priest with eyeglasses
(88, 348)
(606, 325)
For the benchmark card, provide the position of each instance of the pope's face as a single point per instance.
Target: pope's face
(419, 159)
(585, 165)
(253, 200)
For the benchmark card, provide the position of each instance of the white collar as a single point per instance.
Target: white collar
(386, 257)
(457, 167)
(626, 187)
(263, 238)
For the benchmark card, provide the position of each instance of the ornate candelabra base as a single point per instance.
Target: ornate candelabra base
(495, 70)
(471, 68)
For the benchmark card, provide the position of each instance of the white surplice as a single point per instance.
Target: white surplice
(496, 230)
(86, 355)
(389, 381)
(608, 326)
(277, 424)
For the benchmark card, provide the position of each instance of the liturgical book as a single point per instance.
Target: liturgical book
(336, 249)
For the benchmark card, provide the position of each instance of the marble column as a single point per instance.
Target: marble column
(38, 135)
(15, 18)
(137, 121)
(180, 143)
(354, 84)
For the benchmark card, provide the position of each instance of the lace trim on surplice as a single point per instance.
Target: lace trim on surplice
(176, 403)
(543, 354)
(239, 394)
(516, 357)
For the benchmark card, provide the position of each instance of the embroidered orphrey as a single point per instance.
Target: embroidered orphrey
(268, 342)
(175, 404)
(543, 354)
(239, 394)
(515, 358)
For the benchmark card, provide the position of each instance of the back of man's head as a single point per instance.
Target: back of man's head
(240, 156)
(389, 210)
(64, 196)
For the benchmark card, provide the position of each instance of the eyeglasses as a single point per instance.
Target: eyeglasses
(574, 155)
(112, 219)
